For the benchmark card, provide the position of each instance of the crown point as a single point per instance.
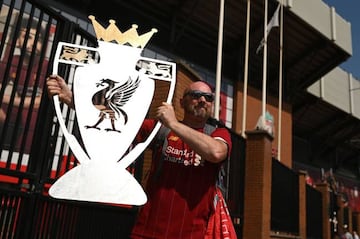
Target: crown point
(91, 17)
(134, 26)
(154, 30)
(111, 21)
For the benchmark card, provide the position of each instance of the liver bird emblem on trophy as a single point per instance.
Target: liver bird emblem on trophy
(115, 97)
(112, 95)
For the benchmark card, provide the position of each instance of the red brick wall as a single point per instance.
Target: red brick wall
(254, 110)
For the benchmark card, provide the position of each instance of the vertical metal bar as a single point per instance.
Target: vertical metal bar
(280, 79)
(263, 108)
(246, 69)
(219, 60)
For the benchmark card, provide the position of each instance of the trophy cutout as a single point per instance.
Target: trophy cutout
(113, 87)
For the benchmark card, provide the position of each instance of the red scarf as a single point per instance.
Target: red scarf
(220, 224)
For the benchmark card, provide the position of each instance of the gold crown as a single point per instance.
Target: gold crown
(112, 33)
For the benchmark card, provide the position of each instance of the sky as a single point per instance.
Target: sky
(349, 10)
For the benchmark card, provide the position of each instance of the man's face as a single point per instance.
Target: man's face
(198, 101)
(30, 42)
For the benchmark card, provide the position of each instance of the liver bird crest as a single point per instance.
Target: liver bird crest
(110, 100)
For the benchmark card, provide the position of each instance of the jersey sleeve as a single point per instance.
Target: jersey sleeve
(224, 135)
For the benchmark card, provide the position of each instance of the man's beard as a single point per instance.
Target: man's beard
(198, 111)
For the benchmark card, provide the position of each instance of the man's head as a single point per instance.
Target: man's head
(31, 35)
(197, 101)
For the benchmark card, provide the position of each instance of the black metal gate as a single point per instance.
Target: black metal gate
(33, 151)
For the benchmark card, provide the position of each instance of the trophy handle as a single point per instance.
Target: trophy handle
(71, 54)
(139, 148)
(78, 151)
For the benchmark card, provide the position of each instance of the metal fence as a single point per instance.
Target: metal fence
(314, 212)
(284, 199)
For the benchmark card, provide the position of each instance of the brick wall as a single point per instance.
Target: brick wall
(253, 111)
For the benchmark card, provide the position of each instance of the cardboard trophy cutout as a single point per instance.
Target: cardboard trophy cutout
(112, 95)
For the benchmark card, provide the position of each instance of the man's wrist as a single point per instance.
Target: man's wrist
(69, 101)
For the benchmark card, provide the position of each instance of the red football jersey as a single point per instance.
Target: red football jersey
(180, 190)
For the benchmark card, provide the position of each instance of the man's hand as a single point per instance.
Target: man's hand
(56, 85)
(166, 114)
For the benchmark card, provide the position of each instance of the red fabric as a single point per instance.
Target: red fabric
(220, 224)
(180, 194)
(34, 86)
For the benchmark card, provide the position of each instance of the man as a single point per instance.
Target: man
(182, 181)
(23, 86)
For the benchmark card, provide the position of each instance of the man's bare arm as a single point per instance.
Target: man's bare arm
(209, 148)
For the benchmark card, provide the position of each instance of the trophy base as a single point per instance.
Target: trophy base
(96, 181)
